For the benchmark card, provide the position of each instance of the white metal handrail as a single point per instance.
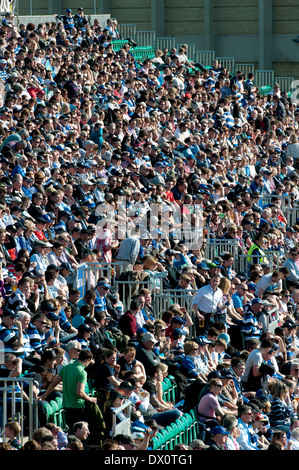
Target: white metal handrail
(12, 393)
(124, 426)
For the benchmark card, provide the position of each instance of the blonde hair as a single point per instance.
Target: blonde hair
(14, 426)
(189, 346)
(149, 262)
(225, 285)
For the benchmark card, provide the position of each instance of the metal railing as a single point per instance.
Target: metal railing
(285, 201)
(227, 62)
(292, 215)
(264, 78)
(124, 426)
(161, 301)
(245, 68)
(190, 52)
(17, 407)
(217, 247)
(285, 83)
(146, 38)
(128, 31)
(270, 258)
(128, 289)
(88, 274)
(206, 58)
(165, 43)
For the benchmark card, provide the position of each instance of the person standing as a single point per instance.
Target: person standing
(73, 377)
(206, 302)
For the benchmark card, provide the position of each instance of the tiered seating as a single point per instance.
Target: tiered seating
(182, 431)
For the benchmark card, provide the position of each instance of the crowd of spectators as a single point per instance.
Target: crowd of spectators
(91, 140)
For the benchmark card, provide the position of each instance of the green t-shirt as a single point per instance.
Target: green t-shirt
(71, 375)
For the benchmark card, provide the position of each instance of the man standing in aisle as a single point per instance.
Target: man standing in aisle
(206, 302)
(73, 377)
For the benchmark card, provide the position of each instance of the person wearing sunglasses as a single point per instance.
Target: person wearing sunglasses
(209, 409)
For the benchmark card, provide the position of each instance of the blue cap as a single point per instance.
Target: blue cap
(202, 340)
(103, 284)
(177, 319)
(219, 430)
(202, 266)
(251, 285)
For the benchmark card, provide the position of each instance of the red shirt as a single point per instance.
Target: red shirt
(127, 324)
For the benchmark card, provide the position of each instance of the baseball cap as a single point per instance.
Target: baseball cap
(125, 439)
(198, 443)
(48, 307)
(226, 374)
(148, 337)
(258, 301)
(126, 385)
(103, 284)
(202, 340)
(52, 316)
(260, 417)
(178, 332)
(289, 324)
(218, 430)
(82, 328)
(9, 313)
(202, 266)
(116, 394)
(169, 252)
(65, 265)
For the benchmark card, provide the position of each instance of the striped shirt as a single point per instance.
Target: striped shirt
(17, 301)
(250, 327)
(37, 338)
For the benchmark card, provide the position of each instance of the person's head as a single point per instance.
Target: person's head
(24, 286)
(148, 341)
(85, 356)
(74, 295)
(156, 373)
(129, 354)
(81, 430)
(12, 429)
(73, 349)
(281, 436)
(109, 356)
(215, 281)
(279, 389)
(238, 366)
(245, 413)
(49, 442)
(230, 423)
(190, 348)
(216, 386)
(219, 435)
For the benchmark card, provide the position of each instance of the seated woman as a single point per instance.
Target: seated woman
(189, 366)
(106, 374)
(128, 362)
(282, 411)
